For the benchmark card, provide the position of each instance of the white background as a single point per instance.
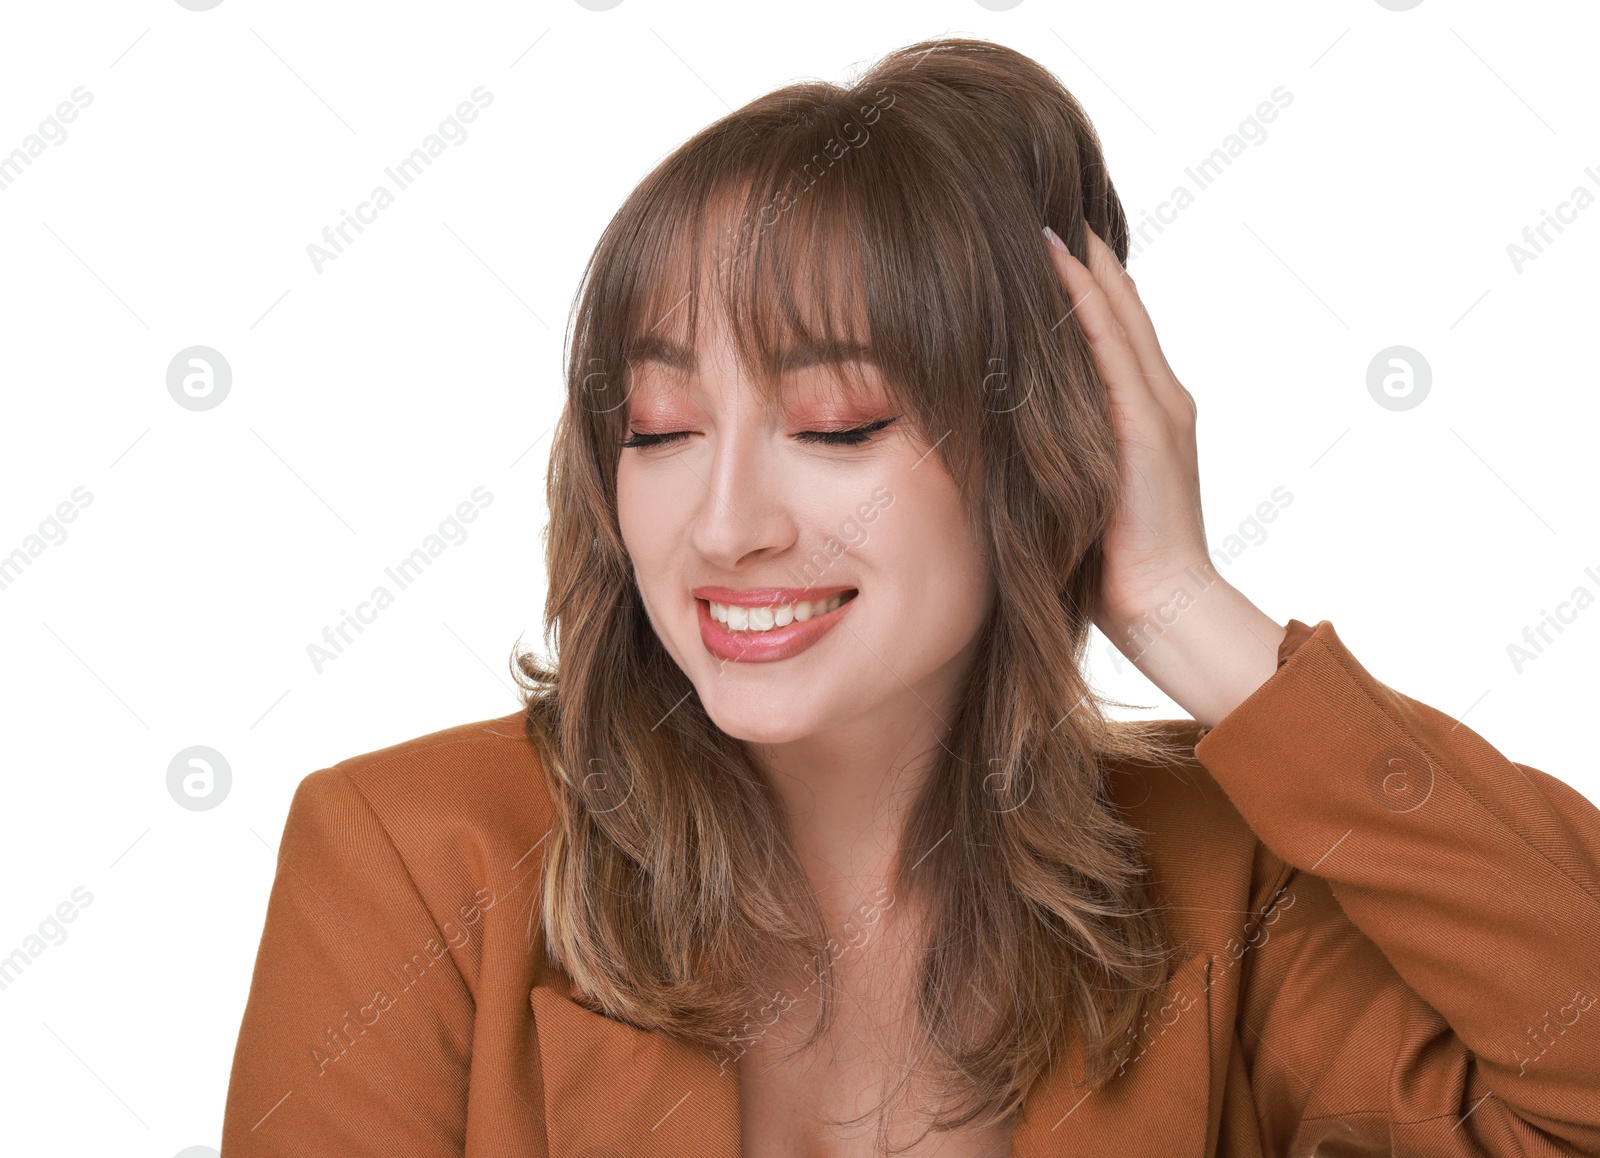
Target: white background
(372, 397)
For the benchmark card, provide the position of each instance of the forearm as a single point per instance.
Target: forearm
(1207, 647)
(1475, 883)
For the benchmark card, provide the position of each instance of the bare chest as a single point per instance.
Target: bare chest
(784, 1118)
(830, 1101)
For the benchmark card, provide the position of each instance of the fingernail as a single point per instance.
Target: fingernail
(1050, 236)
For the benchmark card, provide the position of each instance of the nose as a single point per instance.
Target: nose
(745, 509)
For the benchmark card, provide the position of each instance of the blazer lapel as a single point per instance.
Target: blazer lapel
(1158, 1104)
(612, 1090)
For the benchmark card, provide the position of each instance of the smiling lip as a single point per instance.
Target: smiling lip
(766, 596)
(765, 646)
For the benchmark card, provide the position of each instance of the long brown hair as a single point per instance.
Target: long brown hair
(903, 211)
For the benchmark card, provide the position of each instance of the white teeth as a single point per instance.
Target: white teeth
(754, 619)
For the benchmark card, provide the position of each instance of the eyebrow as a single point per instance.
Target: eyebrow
(796, 357)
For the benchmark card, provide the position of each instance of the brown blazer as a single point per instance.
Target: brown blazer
(1390, 932)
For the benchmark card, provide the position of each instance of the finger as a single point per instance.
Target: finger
(1119, 364)
(1126, 304)
(1130, 311)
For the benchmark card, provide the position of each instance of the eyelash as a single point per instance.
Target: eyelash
(856, 436)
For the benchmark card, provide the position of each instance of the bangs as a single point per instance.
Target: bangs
(779, 264)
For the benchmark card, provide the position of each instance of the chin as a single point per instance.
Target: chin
(758, 722)
(760, 734)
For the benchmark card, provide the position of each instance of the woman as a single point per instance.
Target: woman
(816, 841)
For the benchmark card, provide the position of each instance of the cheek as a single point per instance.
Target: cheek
(628, 497)
(653, 513)
(926, 542)
(640, 508)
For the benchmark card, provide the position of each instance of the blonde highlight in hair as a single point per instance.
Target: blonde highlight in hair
(670, 882)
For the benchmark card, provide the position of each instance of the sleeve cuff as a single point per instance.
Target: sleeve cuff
(1297, 634)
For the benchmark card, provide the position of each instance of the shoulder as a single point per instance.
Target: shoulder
(1207, 865)
(462, 808)
(476, 772)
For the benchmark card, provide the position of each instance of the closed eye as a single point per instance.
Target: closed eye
(853, 437)
(635, 439)
(856, 436)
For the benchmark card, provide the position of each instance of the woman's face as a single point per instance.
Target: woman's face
(741, 518)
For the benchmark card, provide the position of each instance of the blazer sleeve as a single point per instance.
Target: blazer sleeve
(356, 1035)
(1420, 975)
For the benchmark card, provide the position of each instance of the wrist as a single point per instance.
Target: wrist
(1204, 644)
(1143, 615)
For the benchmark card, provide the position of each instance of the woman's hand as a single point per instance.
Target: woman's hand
(1161, 601)
(1157, 543)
